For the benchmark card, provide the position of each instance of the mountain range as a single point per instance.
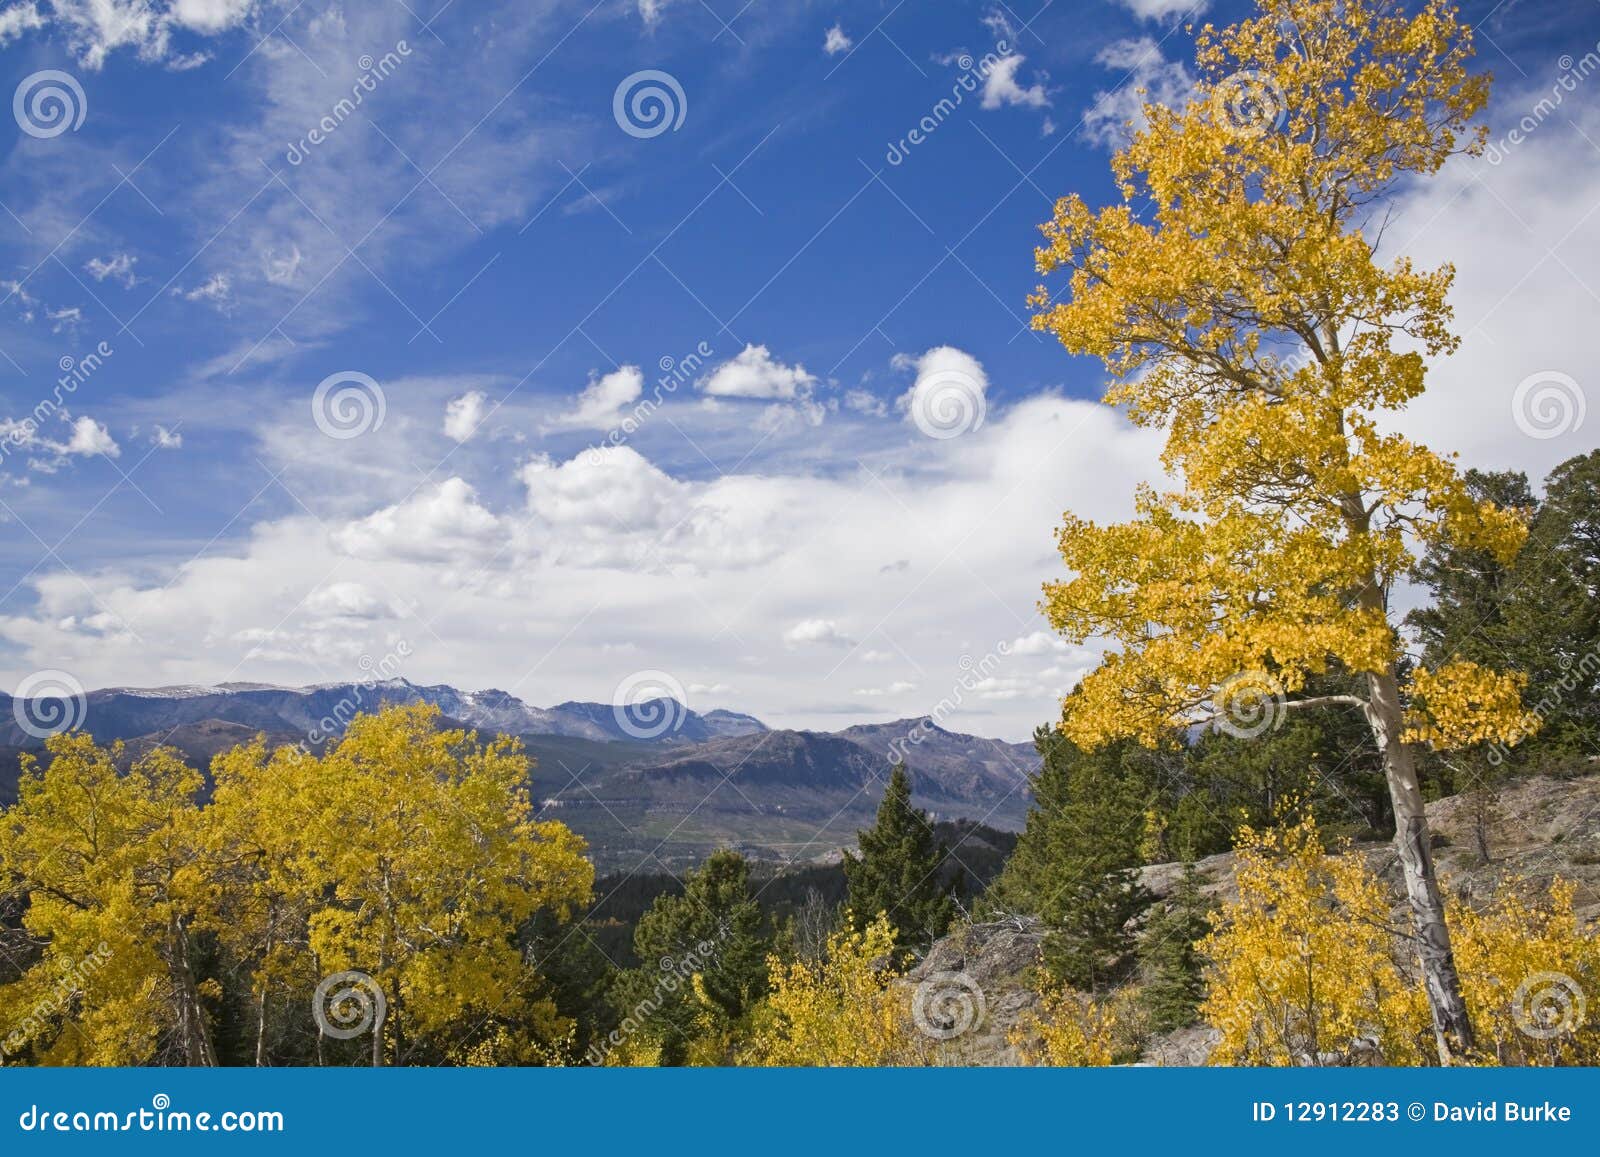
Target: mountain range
(654, 781)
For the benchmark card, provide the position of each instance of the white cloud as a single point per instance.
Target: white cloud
(1158, 10)
(1000, 86)
(651, 10)
(1038, 643)
(165, 439)
(94, 29)
(119, 267)
(817, 633)
(696, 576)
(836, 41)
(215, 290)
(865, 402)
(346, 600)
(444, 524)
(1525, 251)
(754, 374)
(601, 404)
(68, 317)
(1146, 78)
(463, 415)
(211, 16)
(897, 688)
(950, 388)
(19, 18)
(90, 437)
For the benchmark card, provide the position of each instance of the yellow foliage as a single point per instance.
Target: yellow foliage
(1302, 965)
(1305, 967)
(840, 1011)
(1077, 1029)
(108, 864)
(1237, 303)
(1530, 971)
(406, 852)
(1462, 704)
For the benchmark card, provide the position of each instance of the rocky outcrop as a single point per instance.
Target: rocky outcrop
(1540, 828)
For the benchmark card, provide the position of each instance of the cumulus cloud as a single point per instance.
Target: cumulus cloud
(165, 439)
(755, 374)
(1000, 86)
(1160, 10)
(1147, 77)
(19, 18)
(90, 437)
(1038, 643)
(601, 403)
(533, 590)
(817, 633)
(836, 41)
(463, 415)
(445, 523)
(951, 388)
(94, 29)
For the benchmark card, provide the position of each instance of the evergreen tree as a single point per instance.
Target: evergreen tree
(702, 963)
(898, 870)
(1076, 862)
(1169, 956)
(1552, 613)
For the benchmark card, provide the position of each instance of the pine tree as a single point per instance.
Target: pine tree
(1169, 956)
(1552, 617)
(702, 964)
(898, 872)
(1075, 864)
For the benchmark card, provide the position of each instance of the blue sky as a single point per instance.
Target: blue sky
(510, 268)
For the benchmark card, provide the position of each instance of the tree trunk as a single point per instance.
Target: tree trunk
(192, 1033)
(261, 1029)
(1452, 1029)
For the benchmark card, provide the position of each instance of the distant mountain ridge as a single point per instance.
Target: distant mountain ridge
(324, 709)
(655, 781)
